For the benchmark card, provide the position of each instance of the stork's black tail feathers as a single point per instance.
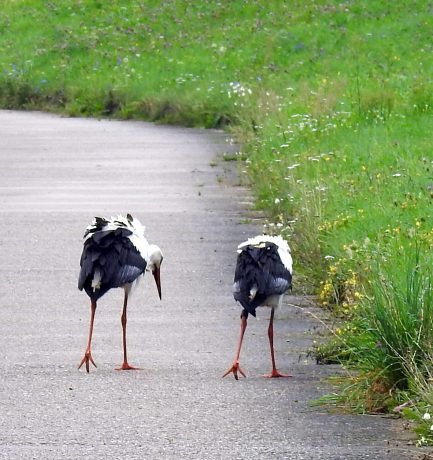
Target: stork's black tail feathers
(259, 274)
(112, 255)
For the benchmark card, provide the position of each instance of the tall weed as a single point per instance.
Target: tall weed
(389, 341)
(398, 313)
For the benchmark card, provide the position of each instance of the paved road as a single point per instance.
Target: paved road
(55, 175)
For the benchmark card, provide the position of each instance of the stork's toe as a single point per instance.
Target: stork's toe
(86, 359)
(235, 369)
(127, 367)
(276, 374)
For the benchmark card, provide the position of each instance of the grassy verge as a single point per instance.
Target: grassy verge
(333, 102)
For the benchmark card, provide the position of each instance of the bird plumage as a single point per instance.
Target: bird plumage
(282, 245)
(263, 272)
(115, 254)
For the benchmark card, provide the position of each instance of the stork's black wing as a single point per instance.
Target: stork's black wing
(259, 274)
(113, 258)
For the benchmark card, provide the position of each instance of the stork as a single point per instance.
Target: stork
(115, 254)
(263, 274)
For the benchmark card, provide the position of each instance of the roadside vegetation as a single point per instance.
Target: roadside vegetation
(333, 104)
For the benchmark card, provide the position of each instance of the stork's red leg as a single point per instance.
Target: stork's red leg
(88, 354)
(235, 367)
(274, 373)
(125, 366)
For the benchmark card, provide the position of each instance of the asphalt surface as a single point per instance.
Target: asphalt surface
(55, 175)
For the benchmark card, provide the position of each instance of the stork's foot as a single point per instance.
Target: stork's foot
(235, 369)
(87, 358)
(276, 374)
(127, 367)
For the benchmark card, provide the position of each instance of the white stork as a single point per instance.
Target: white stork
(263, 274)
(115, 254)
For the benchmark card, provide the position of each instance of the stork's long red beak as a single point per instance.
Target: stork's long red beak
(157, 276)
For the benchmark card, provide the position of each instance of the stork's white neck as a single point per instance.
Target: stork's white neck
(154, 257)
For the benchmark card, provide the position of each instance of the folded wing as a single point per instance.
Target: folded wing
(260, 274)
(109, 260)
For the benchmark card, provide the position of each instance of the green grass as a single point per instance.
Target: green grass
(332, 101)
(388, 346)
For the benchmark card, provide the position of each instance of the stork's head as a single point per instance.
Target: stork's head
(154, 264)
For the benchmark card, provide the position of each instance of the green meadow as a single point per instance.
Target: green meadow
(332, 102)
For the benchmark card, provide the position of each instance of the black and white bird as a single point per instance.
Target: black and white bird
(263, 275)
(115, 254)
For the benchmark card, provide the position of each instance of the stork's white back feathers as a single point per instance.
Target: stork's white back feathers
(127, 222)
(115, 254)
(283, 247)
(263, 272)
